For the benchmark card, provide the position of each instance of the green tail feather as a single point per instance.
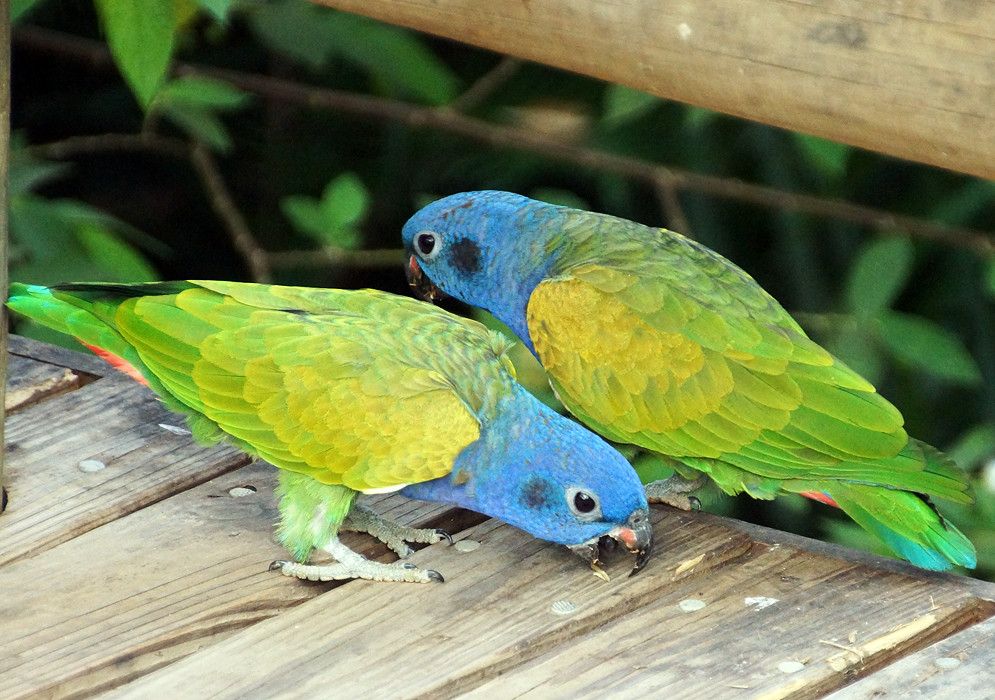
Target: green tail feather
(907, 523)
(86, 312)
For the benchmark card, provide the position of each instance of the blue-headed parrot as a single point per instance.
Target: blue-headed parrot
(352, 392)
(653, 339)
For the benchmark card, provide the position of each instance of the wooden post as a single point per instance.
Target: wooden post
(4, 164)
(914, 79)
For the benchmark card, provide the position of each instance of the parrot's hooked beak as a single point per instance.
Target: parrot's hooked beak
(424, 288)
(636, 535)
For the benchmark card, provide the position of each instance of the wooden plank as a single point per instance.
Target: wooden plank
(492, 629)
(914, 79)
(152, 587)
(962, 666)
(37, 372)
(57, 488)
(785, 624)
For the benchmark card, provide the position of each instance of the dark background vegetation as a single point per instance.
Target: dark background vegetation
(289, 143)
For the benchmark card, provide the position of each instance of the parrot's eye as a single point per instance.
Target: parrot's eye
(427, 244)
(583, 504)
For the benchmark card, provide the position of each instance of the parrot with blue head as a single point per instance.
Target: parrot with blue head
(353, 392)
(652, 339)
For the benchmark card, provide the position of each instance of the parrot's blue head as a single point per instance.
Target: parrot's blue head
(489, 249)
(545, 474)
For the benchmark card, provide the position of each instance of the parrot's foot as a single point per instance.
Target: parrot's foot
(362, 519)
(348, 565)
(674, 492)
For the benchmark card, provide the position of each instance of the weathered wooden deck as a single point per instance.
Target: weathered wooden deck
(133, 563)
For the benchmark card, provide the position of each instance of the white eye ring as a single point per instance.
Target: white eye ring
(584, 504)
(428, 244)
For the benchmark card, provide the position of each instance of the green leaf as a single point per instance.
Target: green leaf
(19, 8)
(118, 260)
(830, 157)
(345, 201)
(202, 92)
(879, 275)
(200, 123)
(25, 175)
(696, 118)
(622, 104)
(990, 276)
(141, 36)
(305, 214)
(219, 9)
(858, 349)
(396, 58)
(294, 29)
(974, 447)
(920, 343)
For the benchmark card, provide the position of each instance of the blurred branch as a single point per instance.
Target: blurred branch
(224, 206)
(667, 181)
(672, 209)
(324, 257)
(486, 85)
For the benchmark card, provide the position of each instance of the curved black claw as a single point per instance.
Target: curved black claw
(695, 503)
(445, 535)
(278, 565)
(435, 575)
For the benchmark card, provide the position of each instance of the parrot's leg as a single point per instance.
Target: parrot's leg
(674, 492)
(349, 564)
(394, 535)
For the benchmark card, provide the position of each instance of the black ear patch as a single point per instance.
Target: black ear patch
(464, 255)
(536, 494)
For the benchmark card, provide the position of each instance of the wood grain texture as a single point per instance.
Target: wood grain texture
(491, 631)
(155, 586)
(914, 79)
(114, 422)
(36, 372)
(962, 666)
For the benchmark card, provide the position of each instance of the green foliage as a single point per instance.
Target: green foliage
(59, 240)
(193, 104)
(334, 219)
(397, 61)
(622, 104)
(928, 346)
(879, 274)
(829, 157)
(20, 8)
(140, 35)
(219, 9)
(877, 278)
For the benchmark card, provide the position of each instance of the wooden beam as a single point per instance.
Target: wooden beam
(913, 79)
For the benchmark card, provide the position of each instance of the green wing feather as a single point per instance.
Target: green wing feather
(328, 383)
(655, 340)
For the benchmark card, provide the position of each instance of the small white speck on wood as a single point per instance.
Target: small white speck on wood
(691, 604)
(466, 546)
(759, 602)
(790, 666)
(175, 429)
(947, 662)
(91, 465)
(562, 607)
(241, 491)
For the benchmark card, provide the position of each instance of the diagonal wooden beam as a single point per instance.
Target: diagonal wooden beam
(913, 79)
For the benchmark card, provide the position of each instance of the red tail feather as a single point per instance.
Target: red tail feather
(117, 363)
(820, 497)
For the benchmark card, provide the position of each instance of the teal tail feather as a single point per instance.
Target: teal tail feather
(908, 523)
